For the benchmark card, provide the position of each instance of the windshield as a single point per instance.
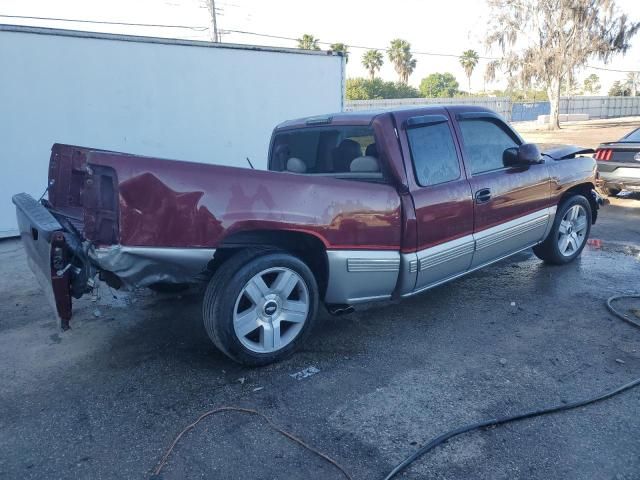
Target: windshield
(325, 150)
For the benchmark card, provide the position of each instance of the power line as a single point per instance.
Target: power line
(415, 52)
(612, 69)
(278, 37)
(435, 54)
(100, 22)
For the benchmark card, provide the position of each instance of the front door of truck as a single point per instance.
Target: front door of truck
(441, 195)
(511, 204)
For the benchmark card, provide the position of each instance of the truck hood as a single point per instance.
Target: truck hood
(567, 151)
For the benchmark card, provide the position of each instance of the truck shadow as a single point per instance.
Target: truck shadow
(169, 327)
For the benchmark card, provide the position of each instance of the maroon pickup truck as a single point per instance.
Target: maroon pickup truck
(354, 207)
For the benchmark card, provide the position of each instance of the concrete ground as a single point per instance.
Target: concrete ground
(105, 399)
(588, 133)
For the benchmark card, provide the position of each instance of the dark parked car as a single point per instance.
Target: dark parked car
(355, 207)
(619, 164)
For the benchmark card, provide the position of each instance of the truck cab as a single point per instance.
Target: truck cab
(467, 199)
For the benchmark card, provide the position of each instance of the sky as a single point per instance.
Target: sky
(431, 26)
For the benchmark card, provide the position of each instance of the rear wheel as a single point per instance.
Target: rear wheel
(260, 306)
(569, 233)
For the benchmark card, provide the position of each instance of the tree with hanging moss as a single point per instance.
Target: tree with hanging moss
(548, 40)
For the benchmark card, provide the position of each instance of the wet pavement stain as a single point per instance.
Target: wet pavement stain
(614, 247)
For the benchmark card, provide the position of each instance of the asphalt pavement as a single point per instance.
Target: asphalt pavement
(105, 399)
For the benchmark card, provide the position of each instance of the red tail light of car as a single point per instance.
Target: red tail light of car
(603, 154)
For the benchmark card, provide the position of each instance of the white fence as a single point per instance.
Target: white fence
(595, 107)
(601, 107)
(502, 105)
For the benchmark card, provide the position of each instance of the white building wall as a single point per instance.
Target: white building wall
(172, 99)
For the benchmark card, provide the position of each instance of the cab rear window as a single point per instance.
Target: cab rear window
(326, 150)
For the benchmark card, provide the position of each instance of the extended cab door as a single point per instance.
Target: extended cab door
(511, 204)
(441, 195)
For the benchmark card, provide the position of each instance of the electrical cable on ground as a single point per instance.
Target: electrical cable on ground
(440, 439)
(622, 316)
(531, 414)
(290, 436)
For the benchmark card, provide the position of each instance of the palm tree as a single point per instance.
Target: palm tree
(308, 42)
(372, 60)
(342, 48)
(399, 53)
(633, 79)
(469, 60)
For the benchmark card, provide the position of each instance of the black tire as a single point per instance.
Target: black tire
(226, 286)
(548, 250)
(611, 192)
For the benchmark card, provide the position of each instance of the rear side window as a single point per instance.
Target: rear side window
(433, 154)
(485, 142)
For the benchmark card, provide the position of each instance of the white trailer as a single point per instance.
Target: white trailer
(199, 101)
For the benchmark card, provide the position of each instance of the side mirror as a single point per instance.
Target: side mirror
(525, 154)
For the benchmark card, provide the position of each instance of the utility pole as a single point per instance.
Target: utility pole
(212, 9)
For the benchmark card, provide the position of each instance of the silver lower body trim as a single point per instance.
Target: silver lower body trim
(509, 237)
(359, 276)
(144, 266)
(462, 274)
(552, 217)
(444, 260)
(453, 259)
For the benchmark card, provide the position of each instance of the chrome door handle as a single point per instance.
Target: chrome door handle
(483, 195)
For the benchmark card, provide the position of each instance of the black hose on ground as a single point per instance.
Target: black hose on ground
(622, 316)
(531, 414)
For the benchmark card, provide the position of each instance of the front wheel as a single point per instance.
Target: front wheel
(260, 306)
(569, 233)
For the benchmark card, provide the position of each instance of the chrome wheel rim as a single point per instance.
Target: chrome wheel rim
(573, 230)
(271, 310)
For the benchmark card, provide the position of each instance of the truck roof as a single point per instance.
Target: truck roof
(365, 117)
